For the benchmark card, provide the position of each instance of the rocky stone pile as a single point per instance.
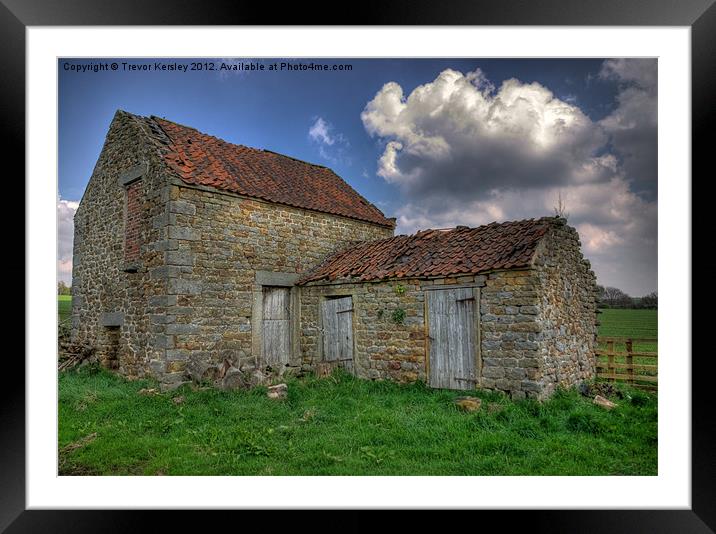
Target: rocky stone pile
(227, 376)
(604, 403)
(71, 355)
(603, 389)
(468, 404)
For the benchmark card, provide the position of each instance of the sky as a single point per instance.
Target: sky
(433, 142)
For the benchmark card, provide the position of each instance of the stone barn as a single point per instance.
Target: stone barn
(507, 306)
(191, 252)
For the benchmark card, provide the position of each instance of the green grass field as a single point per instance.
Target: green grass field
(64, 307)
(344, 426)
(631, 324)
(628, 323)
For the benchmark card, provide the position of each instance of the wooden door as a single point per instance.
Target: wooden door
(337, 319)
(275, 329)
(452, 337)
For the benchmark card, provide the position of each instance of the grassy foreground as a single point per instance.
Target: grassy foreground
(344, 426)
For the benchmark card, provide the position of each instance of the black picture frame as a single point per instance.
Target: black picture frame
(699, 15)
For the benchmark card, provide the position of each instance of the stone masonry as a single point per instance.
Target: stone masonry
(537, 324)
(114, 295)
(169, 274)
(216, 245)
(166, 272)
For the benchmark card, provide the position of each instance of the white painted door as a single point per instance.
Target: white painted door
(452, 338)
(337, 316)
(276, 331)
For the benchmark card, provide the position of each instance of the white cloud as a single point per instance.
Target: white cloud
(65, 233)
(320, 132)
(595, 238)
(463, 152)
(332, 145)
(457, 127)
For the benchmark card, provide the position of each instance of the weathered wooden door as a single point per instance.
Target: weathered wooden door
(276, 331)
(452, 333)
(338, 331)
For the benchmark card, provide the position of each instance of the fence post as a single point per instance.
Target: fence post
(610, 360)
(647, 372)
(629, 361)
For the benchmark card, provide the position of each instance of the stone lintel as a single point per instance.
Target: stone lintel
(112, 319)
(477, 283)
(132, 174)
(271, 278)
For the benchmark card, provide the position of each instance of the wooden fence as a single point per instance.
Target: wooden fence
(636, 364)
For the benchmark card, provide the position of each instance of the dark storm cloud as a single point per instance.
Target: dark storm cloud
(632, 126)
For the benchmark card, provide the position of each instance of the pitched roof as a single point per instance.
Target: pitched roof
(202, 159)
(431, 253)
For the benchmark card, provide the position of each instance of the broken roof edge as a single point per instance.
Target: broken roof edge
(119, 115)
(315, 277)
(421, 278)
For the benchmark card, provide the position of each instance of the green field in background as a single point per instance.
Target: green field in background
(628, 323)
(64, 306)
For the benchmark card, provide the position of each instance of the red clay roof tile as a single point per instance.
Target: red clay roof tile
(460, 250)
(202, 159)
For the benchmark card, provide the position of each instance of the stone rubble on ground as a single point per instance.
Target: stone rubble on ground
(279, 391)
(604, 403)
(171, 386)
(234, 379)
(468, 404)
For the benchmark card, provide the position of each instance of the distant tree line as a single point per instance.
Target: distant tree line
(63, 289)
(613, 297)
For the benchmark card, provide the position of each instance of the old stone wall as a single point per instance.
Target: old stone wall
(529, 333)
(388, 328)
(511, 333)
(216, 246)
(567, 310)
(114, 295)
(384, 349)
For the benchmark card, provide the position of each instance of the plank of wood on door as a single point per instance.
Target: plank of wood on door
(276, 331)
(337, 319)
(451, 330)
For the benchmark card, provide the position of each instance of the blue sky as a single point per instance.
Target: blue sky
(456, 151)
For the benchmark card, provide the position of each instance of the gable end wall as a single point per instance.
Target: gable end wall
(118, 313)
(567, 310)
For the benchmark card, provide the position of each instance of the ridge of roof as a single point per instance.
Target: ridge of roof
(296, 159)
